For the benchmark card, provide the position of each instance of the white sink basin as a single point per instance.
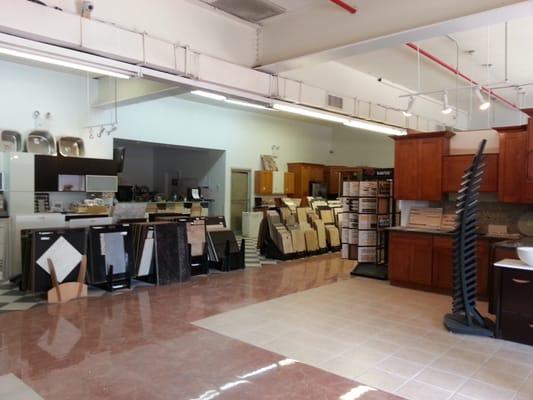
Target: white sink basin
(526, 255)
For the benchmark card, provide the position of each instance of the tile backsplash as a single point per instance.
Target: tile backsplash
(492, 212)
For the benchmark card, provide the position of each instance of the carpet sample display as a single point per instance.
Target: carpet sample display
(321, 233)
(332, 235)
(311, 240)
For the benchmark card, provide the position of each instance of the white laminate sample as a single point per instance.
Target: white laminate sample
(64, 257)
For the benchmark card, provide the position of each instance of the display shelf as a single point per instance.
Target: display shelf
(370, 196)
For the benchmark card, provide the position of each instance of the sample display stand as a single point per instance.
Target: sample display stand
(465, 318)
(375, 211)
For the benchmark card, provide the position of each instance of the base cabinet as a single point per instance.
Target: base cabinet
(425, 261)
(514, 316)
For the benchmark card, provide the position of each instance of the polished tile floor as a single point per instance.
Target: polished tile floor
(385, 337)
(143, 345)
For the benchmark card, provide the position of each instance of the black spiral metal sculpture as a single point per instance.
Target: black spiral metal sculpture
(465, 318)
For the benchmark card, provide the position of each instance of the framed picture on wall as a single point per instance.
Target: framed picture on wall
(269, 162)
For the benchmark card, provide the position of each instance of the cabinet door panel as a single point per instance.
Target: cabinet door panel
(405, 170)
(454, 167)
(483, 267)
(443, 263)
(430, 169)
(399, 258)
(512, 166)
(420, 268)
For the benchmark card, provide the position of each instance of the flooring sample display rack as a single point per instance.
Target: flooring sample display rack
(368, 209)
(465, 318)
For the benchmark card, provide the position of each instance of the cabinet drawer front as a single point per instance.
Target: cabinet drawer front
(517, 292)
(517, 328)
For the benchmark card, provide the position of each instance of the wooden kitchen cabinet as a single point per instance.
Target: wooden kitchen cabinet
(453, 169)
(512, 162)
(418, 165)
(304, 174)
(442, 267)
(425, 261)
(410, 258)
(335, 175)
(263, 183)
(288, 182)
(269, 183)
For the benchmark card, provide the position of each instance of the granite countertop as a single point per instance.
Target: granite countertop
(505, 243)
(515, 243)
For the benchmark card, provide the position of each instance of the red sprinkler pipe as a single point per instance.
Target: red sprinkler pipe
(459, 73)
(345, 5)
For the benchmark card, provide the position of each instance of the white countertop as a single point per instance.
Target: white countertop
(514, 264)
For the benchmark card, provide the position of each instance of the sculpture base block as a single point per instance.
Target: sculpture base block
(457, 323)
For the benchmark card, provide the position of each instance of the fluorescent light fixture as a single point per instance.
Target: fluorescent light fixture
(410, 104)
(306, 112)
(246, 104)
(209, 95)
(379, 128)
(446, 107)
(483, 104)
(62, 63)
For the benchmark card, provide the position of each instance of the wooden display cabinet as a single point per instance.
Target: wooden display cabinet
(418, 165)
(263, 183)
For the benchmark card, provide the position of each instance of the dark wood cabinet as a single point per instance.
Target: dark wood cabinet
(512, 171)
(454, 167)
(425, 261)
(442, 263)
(46, 173)
(514, 296)
(336, 174)
(418, 165)
(48, 169)
(410, 258)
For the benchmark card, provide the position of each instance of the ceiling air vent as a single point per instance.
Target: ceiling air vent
(335, 101)
(249, 10)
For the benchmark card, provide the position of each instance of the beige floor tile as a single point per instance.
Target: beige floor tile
(365, 356)
(483, 391)
(517, 369)
(442, 379)
(345, 367)
(416, 355)
(381, 345)
(499, 378)
(414, 390)
(381, 380)
(514, 355)
(455, 366)
(400, 367)
(527, 388)
(460, 353)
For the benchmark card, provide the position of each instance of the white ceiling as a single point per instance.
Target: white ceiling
(399, 65)
(293, 5)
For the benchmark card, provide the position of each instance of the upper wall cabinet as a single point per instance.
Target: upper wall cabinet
(418, 165)
(515, 163)
(304, 174)
(453, 169)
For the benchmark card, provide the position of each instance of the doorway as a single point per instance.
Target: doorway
(240, 197)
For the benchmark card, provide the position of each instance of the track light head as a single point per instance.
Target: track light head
(446, 109)
(410, 104)
(483, 104)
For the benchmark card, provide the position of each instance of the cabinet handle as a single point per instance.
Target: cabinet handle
(515, 280)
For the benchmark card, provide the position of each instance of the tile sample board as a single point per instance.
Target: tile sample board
(172, 253)
(65, 247)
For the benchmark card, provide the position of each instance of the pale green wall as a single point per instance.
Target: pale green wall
(353, 147)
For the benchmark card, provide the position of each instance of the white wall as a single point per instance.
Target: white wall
(25, 89)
